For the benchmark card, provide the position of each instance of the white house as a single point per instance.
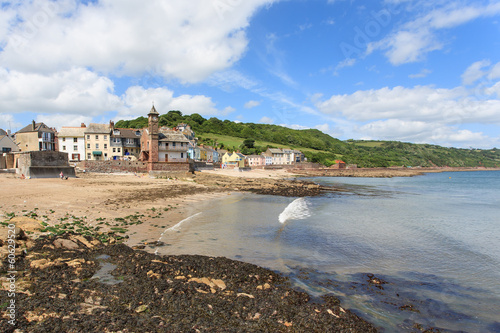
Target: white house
(71, 140)
(173, 146)
(276, 154)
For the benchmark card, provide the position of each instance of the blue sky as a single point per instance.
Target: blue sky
(415, 71)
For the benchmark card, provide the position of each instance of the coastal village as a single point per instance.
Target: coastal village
(98, 147)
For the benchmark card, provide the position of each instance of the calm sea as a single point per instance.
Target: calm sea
(432, 240)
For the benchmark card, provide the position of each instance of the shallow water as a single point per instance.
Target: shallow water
(434, 239)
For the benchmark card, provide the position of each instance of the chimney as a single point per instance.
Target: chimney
(112, 125)
(33, 125)
(83, 125)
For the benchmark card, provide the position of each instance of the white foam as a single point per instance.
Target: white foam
(178, 225)
(296, 210)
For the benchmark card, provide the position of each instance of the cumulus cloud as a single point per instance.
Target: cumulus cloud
(423, 132)
(266, 120)
(185, 40)
(423, 103)
(60, 120)
(74, 91)
(137, 101)
(421, 113)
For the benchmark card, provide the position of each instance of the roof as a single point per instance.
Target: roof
(172, 136)
(73, 132)
(129, 133)
(2, 132)
(98, 129)
(38, 127)
(153, 111)
(210, 149)
(275, 151)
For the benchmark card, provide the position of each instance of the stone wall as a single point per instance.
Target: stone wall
(48, 158)
(132, 166)
(114, 166)
(43, 164)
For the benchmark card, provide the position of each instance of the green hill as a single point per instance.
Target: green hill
(319, 147)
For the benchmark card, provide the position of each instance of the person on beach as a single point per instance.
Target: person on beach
(61, 175)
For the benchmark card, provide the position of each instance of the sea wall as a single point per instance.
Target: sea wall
(43, 164)
(159, 169)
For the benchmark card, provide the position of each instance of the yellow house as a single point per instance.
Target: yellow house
(233, 160)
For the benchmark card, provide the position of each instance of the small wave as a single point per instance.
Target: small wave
(178, 225)
(296, 210)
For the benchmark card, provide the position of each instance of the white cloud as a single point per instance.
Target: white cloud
(295, 126)
(251, 104)
(325, 128)
(59, 120)
(418, 114)
(137, 101)
(76, 91)
(266, 120)
(423, 103)
(474, 72)
(423, 73)
(423, 132)
(7, 122)
(415, 39)
(186, 40)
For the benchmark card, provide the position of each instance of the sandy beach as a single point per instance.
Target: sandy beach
(59, 281)
(67, 225)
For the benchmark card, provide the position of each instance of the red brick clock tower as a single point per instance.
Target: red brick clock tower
(153, 136)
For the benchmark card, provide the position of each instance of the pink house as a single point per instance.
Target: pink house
(254, 160)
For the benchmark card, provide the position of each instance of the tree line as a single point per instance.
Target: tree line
(323, 148)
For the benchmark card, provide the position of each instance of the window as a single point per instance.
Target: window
(75, 148)
(88, 145)
(96, 146)
(114, 150)
(88, 137)
(105, 146)
(119, 149)
(64, 147)
(89, 156)
(105, 137)
(173, 144)
(182, 155)
(64, 139)
(75, 140)
(97, 137)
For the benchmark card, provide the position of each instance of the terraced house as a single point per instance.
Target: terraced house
(125, 143)
(71, 140)
(97, 142)
(36, 137)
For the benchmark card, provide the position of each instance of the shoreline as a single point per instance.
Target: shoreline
(115, 203)
(384, 172)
